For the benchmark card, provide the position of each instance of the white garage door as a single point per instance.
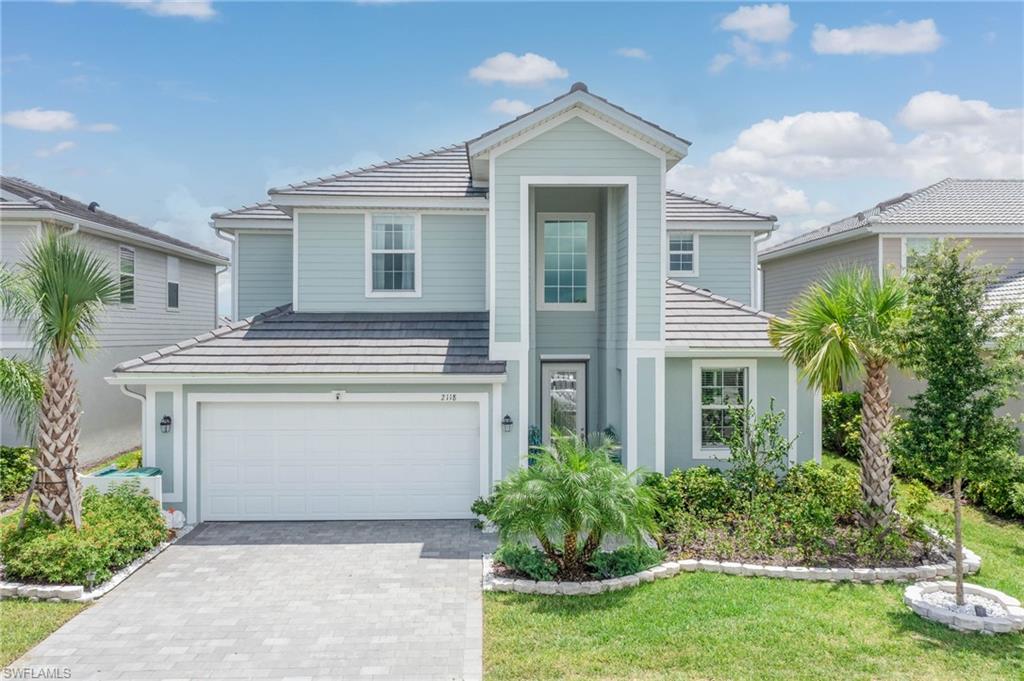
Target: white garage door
(338, 460)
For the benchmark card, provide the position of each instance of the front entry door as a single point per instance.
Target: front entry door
(564, 405)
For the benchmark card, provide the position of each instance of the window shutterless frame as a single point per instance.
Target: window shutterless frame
(126, 275)
(173, 283)
(416, 252)
(719, 452)
(683, 246)
(565, 270)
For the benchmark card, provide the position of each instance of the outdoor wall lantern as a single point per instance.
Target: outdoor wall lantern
(165, 424)
(506, 424)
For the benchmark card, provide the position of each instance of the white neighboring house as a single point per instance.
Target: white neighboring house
(168, 290)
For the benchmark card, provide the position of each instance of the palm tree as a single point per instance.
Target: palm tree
(846, 326)
(58, 295)
(570, 497)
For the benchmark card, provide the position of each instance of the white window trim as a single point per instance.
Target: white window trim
(170, 281)
(135, 266)
(698, 451)
(417, 225)
(695, 272)
(591, 261)
(903, 247)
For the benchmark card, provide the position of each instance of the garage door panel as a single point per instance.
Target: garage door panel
(291, 461)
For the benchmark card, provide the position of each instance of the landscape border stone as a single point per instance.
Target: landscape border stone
(77, 592)
(671, 568)
(914, 594)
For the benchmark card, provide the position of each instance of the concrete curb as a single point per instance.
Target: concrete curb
(914, 594)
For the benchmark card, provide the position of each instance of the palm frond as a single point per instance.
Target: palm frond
(21, 390)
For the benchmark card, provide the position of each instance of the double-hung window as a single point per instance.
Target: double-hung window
(126, 268)
(565, 261)
(682, 254)
(720, 388)
(393, 256)
(914, 247)
(173, 275)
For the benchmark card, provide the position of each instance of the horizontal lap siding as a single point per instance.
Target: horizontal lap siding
(264, 272)
(577, 148)
(332, 265)
(13, 241)
(149, 321)
(724, 266)
(786, 278)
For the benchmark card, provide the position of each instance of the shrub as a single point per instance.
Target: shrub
(913, 497)
(526, 560)
(482, 507)
(812, 502)
(627, 560)
(1002, 491)
(839, 433)
(131, 459)
(702, 492)
(117, 528)
(569, 499)
(16, 469)
(757, 451)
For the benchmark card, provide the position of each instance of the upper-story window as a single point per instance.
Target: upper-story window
(682, 254)
(126, 268)
(565, 261)
(914, 247)
(173, 274)
(393, 256)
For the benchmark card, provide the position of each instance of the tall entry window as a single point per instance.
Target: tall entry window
(565, 261)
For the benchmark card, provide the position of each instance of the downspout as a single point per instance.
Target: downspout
(759, 281)
(74, 229)
(219, 271)
(142, 432)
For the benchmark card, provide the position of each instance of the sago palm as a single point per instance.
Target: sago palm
(570, 498)
(58, 294)
(847, 326)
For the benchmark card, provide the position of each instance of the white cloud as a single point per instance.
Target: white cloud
(933, 109)
(899, 38)
(633, 53)
(41, 120)
(762, 23)
(186, 218)
(58, 148)
(720, 62)
(510, 107)
(200, 10)
(528, 70)
(102, 127)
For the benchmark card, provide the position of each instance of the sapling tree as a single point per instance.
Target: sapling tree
(968, 353)
(758, 451)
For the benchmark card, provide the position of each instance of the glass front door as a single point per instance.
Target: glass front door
(564, 406)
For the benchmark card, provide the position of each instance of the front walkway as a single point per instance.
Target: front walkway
(333, 600)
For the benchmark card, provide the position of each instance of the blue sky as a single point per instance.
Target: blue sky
(164, 113)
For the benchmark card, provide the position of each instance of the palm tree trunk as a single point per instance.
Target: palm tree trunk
(57, 442)
(875, 464)
(958, 539)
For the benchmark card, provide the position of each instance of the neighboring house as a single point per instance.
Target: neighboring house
(990, 213)
(412, 323)
(987, 213)
(167, 290)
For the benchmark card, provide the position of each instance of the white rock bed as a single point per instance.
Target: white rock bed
(77, 592)
(935, 601)
(492, 582)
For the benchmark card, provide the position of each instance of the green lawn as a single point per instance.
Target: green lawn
(714, 626)
(25, 623)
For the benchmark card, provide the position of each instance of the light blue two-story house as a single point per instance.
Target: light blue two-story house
(406, 330)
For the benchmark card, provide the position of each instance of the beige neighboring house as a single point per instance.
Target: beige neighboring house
(168, 290)
(987, 213)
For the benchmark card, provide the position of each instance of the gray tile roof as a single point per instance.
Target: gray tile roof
(285, 342)
(949, 202)
(704, 320)
(688, 208)
(259, 211)
(42, 198)
(441, 173)
(1007, 291)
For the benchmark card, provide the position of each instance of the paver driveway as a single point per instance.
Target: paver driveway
(337, 600)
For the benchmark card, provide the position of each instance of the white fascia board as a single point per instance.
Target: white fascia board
(677, 349)
(123, 235)
(583, 100)
(724, 226)
(965, 231)
(301, 200)
(303, 379)
(252, 224)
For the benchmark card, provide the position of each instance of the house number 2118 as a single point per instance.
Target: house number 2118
(447, 397)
